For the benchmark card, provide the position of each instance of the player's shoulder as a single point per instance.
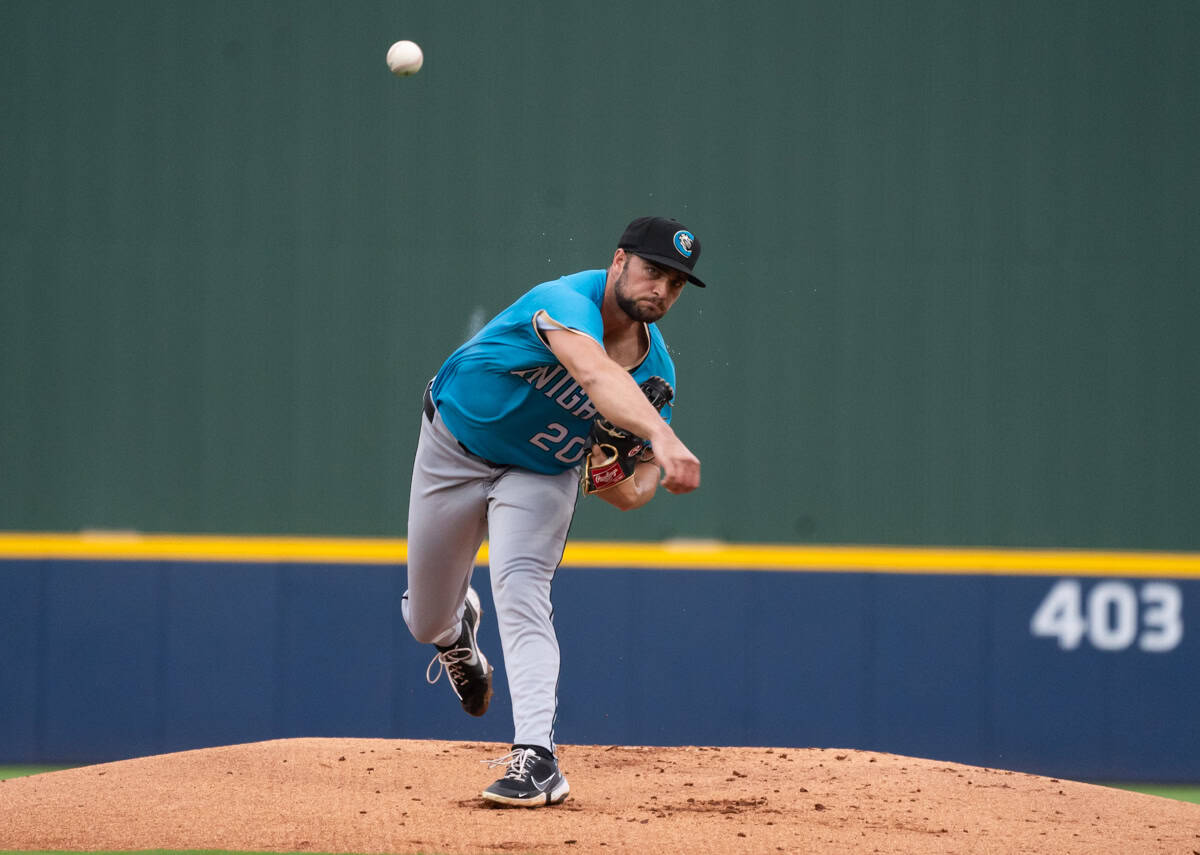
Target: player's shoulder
(585, 283)
(555, 294)
(573, 300)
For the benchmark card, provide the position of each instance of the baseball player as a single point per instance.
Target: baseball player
(571, 383)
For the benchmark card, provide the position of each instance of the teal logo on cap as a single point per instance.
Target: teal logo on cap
(683, 242)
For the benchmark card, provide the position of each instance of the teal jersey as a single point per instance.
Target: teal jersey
(505, 396)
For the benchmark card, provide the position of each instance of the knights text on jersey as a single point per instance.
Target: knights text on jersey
(505, 396)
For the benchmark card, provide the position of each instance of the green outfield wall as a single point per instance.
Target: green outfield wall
(952, 250)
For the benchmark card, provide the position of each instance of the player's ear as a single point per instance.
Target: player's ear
(619, 259)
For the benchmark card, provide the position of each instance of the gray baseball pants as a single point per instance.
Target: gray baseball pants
(456, 500)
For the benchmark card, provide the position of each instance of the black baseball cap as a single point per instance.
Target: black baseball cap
(665, 242)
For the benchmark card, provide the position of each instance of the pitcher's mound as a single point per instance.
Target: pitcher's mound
(406, 796)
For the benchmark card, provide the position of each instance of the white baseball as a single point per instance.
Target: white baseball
(405, 58)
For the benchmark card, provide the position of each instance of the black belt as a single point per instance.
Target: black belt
(430, 409)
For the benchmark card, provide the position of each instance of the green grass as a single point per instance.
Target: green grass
(22, 771)
(1170, 791)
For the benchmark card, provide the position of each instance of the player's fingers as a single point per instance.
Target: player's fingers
(683, 477)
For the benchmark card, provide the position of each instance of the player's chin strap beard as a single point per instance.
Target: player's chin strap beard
(631, 308)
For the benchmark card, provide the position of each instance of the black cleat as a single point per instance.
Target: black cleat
(468, 669)
(532, 780)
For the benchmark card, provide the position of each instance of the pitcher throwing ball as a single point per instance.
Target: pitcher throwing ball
(570, 383)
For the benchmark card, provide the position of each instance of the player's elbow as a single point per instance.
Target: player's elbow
(627, 503)
(633, 492)
(624, 503)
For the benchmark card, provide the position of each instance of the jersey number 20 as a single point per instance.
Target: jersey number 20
(554, 434)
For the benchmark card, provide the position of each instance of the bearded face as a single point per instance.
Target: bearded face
(645, 291)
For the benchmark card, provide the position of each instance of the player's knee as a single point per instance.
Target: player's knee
(426, 631)
(422, 634)
(425, 626)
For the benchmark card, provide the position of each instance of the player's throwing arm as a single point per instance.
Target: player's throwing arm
(619, 455)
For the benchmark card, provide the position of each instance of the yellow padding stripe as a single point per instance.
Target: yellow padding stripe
(134, 546)
(686, 555)
(885, 559)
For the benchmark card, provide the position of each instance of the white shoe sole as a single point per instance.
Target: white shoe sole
(554, 797)
(473, 599)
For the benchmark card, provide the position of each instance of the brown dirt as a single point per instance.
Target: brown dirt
(405, 796)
